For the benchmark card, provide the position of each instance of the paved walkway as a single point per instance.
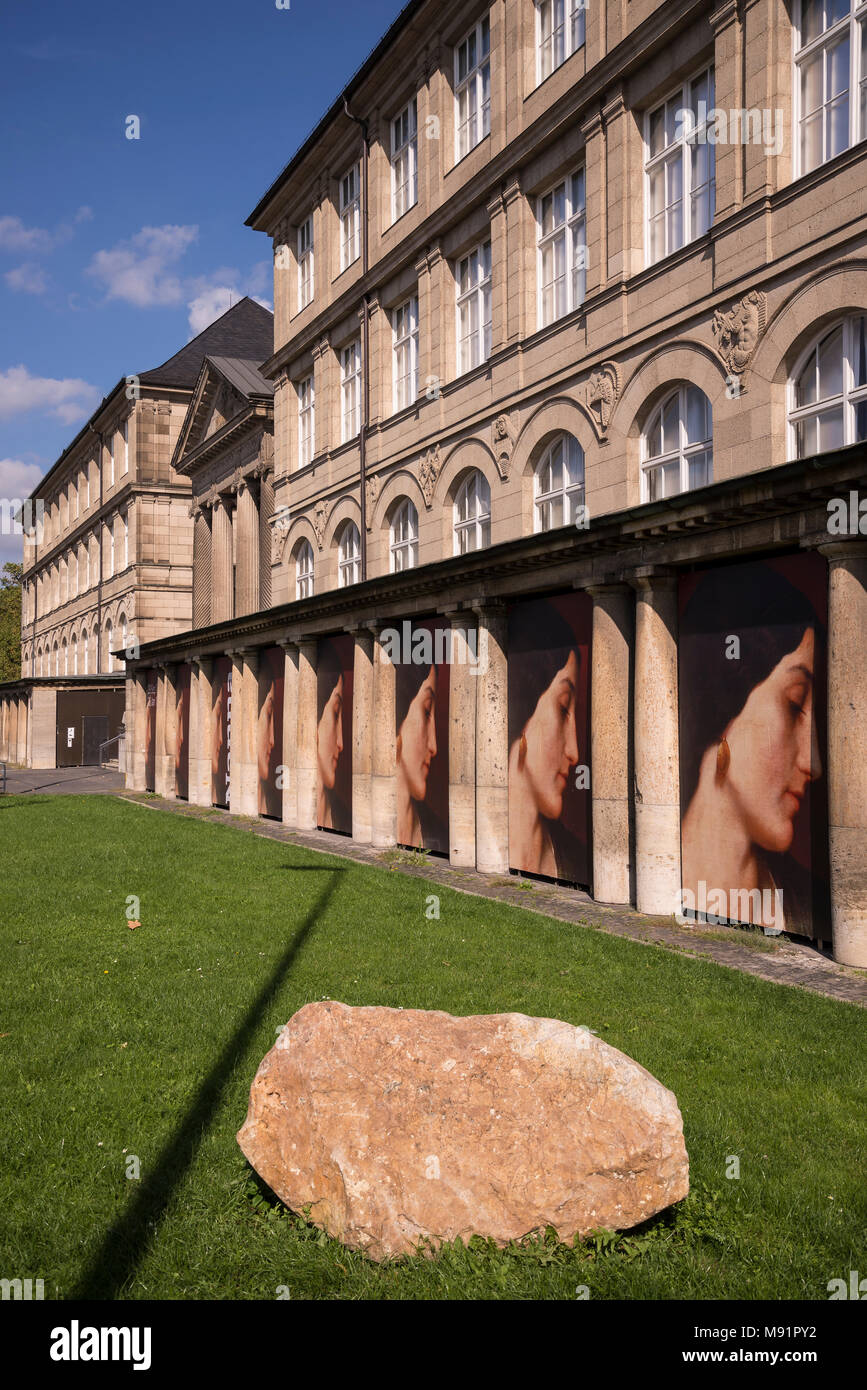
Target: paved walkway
(62, 781)
(781, 960)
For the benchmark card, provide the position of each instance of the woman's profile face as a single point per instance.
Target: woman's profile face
(418, 740)
(217, 741)
(266, 736)
(329, 736)
(773, 749)
(552, 740)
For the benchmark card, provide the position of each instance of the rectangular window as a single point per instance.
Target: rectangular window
(404, 161)
(350, 216)
(125, 431)
(680, 168)
(306, 422)
(305, 263)
(474, 308)
(830, 79)
(472, 88)
(405, 329)
(350, 390)
(559, 33)
(562, 249)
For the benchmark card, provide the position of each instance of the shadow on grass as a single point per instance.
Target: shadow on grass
(126, 1243)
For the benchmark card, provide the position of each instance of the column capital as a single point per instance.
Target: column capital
(494, 607)
(512, 189)
(724, 14)
(839, 551)
(496, 204)
(592, 124)
(615, 105)
(616, 587)
(652, 577)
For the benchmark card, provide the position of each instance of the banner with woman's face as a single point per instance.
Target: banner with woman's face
(752, 654)
(334, 677)
(421, 695)
(151, 732)
(269, 733)
(182, 726)
(549, 736)
(221, 730)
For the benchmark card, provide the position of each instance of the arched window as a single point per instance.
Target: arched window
(348, 556)
(65, 658)
(472, 514)
(559, 484)
(109, 660)
(403, 537)
(677, 446)
(56, 659)
(74, 655)
(828, 392)
(304, 570)
(85, 643)
(124, 632)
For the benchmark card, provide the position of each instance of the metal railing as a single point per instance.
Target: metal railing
(119, 739)
(2, 779)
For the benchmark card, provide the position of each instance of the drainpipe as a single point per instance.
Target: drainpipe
(98, 434)
(365, 335)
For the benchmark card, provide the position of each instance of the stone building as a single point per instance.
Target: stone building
(108, 561)
(571, 309)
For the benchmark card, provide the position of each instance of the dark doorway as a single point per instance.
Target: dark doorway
(95, 733)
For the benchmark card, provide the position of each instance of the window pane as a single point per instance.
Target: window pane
(657, 131)
(697, 430)
(699, 470)
(859, 351)
(807, 434)
(671, 426)
(831, 365)
(838, 68)
(811, 20)
(860, 421)
(831, 430)
(837, 9)
(657, 190)
(837, 134)
(811, 84)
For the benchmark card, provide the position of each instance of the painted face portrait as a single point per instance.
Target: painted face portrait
(415, 749)
(217, 731)
(265, 736)
(329, 746)
(541, 763)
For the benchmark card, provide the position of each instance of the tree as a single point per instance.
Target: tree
(10, 621)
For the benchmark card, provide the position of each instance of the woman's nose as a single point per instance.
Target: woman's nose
(572, 741)
(809, 760)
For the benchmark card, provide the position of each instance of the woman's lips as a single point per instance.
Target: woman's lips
(793, 801)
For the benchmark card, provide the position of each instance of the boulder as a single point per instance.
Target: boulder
(395, 1126)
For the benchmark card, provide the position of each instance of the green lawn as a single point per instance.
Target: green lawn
(119, 1043)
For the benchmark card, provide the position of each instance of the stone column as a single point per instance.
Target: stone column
(12, 730)
(290, 734)
(247, 577)
(201, 568)
(243, 767)
(463, 684)
(656, 744)
(266, 512)
(383, 786)
(166, 732)
(42, 728)
(306, 740)
(200, 731)
(610, 757)
(847, 765)
(135, 763)
(492, 742)
(362, 737)
(222, 596)
(23, 713)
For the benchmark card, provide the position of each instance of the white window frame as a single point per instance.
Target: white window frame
(350, 216)
(306, 263)
(403, 537)
(306, 393)
(570, 495)
(850, 397)
(404, 160)
(573, 233)
(404, 329)
(477, 526)
(476, 83)
(348, 555)
(678, 151)
(568, 18)
(854, 23)
(304, 571)
(350, 390)
(480, 291)
(685, 451)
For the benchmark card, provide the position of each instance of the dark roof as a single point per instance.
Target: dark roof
(244, 375)
(402, 21)
(245, 331)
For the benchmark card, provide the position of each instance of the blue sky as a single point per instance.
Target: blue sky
(113, 252)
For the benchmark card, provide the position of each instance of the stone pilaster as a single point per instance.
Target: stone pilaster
(243, 770)
(656, 744)
(266, 512)
(201, 568)
(306, 745)
(492, 742)
(384, 762)
(200, 731)
(222, 597)
(23, 721)
(136, 734)
(499, 270)
(362, 737)
(463, 684)
(247, 573)
(290, 734)
(847, 763)
(166, 731)
(610, 755)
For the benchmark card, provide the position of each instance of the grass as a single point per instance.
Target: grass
(120, 1043)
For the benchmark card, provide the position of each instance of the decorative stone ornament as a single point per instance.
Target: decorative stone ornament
(392, 1127)
(738, 331)
(603, 391)
(372, 487)
(505, 432)
(320, 520)
(428, 473)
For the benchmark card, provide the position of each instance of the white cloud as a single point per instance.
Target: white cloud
(140, 270)
(69, 399)
(29, 278)
(210, 303)
(14, 236)
(17, 481)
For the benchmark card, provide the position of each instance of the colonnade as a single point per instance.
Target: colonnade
(14, 720)
(634, 753)
(232, 550)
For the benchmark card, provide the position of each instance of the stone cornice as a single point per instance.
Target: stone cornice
(258, 414)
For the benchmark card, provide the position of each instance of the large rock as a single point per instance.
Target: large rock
(397, 1124)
